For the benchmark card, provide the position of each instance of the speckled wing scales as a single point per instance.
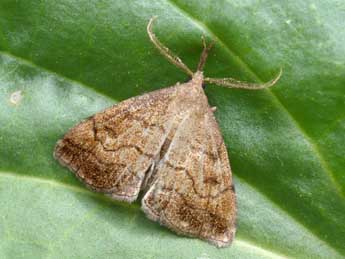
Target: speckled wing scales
(192, 192)
(112, 151)
(168, 144)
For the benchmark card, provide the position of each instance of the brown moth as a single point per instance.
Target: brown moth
(166, 143)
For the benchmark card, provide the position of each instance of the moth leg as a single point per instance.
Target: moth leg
(204, 54)
(167, 53)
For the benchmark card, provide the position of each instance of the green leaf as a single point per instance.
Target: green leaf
(69, 59)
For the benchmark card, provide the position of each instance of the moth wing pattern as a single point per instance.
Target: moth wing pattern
(192, 191)
(167, 143)
(112, 151)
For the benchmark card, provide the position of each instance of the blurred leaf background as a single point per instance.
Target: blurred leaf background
(70, 59)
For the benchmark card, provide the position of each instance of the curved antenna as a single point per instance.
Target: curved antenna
(168, 54)
(233, 83)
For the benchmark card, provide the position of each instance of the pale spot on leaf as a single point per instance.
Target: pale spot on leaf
(16, 97)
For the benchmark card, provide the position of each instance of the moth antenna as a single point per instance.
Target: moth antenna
(233, 83)
(167, 53)
(204, 53)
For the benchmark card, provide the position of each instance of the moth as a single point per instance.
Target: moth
(166, 144)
